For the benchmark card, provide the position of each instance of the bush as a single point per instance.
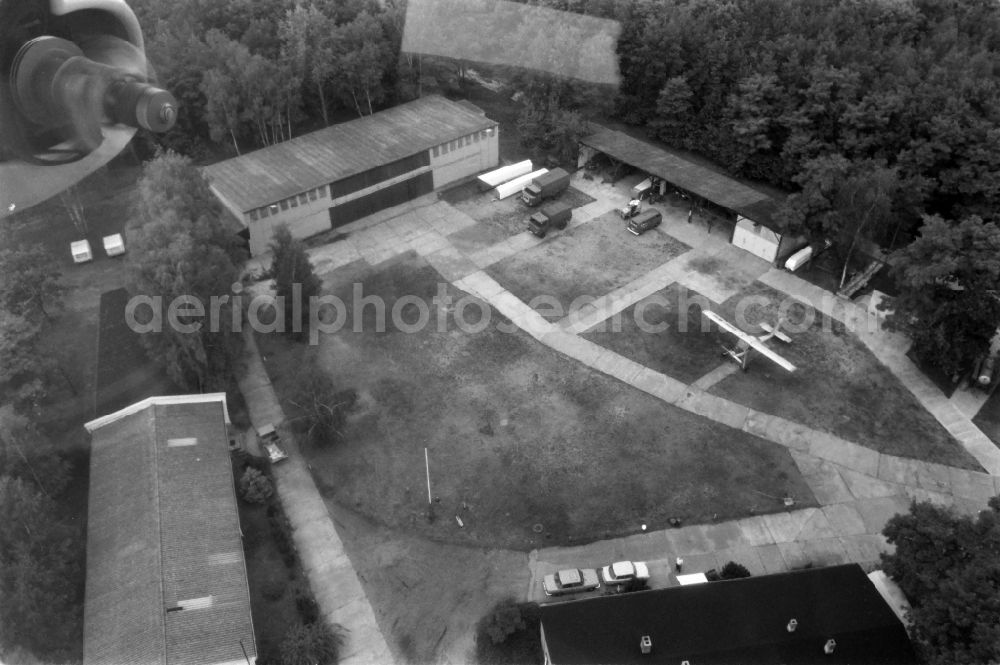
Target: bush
(312, 644)
(517, 625)
(733, 571)
(255, 487)
(307, 607)
(273, 590)
(504, 621)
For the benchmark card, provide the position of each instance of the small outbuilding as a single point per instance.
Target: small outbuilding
(334, 176)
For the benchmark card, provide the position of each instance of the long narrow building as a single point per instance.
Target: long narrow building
(166, 577)
(337, 175)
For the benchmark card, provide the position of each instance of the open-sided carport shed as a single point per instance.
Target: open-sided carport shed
(750, 210)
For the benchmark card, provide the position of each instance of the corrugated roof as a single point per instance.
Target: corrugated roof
(735, 621)
(276, 172)
(163, 528)
(695, 178)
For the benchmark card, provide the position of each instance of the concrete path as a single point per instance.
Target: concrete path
(334, 583)
(859, 489)
(890, 348)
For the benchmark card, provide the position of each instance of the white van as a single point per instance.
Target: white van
(81, 251)
(114, 245)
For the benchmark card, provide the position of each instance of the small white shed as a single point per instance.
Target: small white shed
(756, 239)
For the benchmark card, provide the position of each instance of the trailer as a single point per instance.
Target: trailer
(548, 186)
(515, 186)
(503, 174)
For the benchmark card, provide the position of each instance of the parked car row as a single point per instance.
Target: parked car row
(575, 580)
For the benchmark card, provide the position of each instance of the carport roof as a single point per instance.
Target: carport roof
(303, 163)
(734, 621)
(699, 180)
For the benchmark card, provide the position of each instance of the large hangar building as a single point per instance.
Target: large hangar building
(334, 176)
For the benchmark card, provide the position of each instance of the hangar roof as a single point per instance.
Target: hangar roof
(300, 164)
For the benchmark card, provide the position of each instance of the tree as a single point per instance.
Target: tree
(307, 45)
(323, 409)
(673, 111)
(949, 281)
(503, 621)
(844, 201)
(733, 571)
(180, 249)
(290, 266)
(25, 366)
(255, 487)
(312, 644)
(949, 568)
(38, 564)
(29, 281)
(362, 55)
(26, 454)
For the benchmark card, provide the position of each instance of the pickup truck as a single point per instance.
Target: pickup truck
(545, 187)
(554, 216)
(270, 443)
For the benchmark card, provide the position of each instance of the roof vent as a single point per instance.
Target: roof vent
(792, 625)
(829, 647)
(182, 441)
(646, 644)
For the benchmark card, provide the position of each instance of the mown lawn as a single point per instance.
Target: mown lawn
(586, 261)
(838, 387)
(525, 447)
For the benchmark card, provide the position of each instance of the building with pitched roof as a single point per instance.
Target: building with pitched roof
(166, 577)
(831, 615)
(339, 174)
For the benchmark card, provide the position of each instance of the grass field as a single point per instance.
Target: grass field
(678, 349)
(839, 386)
(517, 436)
(588, 260)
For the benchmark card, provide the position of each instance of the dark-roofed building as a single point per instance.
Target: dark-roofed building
(336, 175)
(754, 226)
(166, 578)
(746, 621)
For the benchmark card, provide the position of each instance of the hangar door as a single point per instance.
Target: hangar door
(393, 195)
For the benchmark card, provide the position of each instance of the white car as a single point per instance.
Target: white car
(623, 572)
(570, 580)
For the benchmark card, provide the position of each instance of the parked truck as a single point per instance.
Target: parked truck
(552, 216)
(544, 187)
